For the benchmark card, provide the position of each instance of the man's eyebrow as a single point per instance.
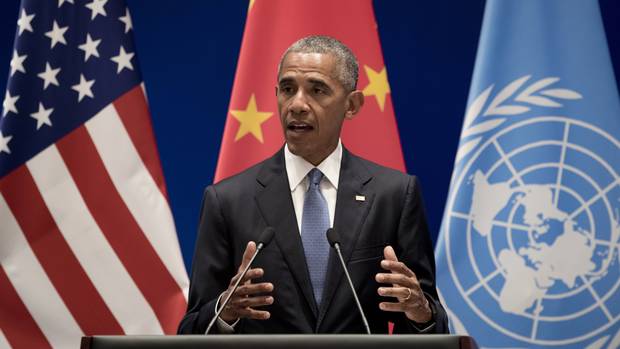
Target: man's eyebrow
(319, 82)
(285, 80)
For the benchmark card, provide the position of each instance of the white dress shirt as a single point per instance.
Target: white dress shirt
(297, 169)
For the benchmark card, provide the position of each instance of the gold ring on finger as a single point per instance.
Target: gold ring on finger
(409, 295)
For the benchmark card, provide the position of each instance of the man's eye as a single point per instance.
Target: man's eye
(319, 91)
(287, 89)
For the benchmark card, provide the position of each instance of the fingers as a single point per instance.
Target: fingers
(247, 255)
(243, 308)
(405, 288)
(252, 274)
(395, 307)
(397, 267)
(416, 307)
(397, 280)
(252, 289)
(396, 292)
(400, 274)
(252, 302)
(246, 297)
(389, 254)
(253, 314)
(242, 302)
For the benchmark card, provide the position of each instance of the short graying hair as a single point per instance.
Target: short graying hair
(348, 68)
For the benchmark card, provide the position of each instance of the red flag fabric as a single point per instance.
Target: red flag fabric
(253, 132)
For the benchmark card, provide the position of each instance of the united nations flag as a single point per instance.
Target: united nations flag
(528, 251)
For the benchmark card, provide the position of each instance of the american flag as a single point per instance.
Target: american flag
(87, 239)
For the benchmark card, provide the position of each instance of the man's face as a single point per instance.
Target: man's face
(312, 104)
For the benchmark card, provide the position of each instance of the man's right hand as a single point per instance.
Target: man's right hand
(245, 297)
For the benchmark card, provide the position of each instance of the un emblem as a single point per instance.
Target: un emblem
(533, 216)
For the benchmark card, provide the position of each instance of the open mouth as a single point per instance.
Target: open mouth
(299, 127)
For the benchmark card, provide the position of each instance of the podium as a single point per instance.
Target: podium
(333, 341)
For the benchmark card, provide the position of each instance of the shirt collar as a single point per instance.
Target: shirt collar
(297, 168)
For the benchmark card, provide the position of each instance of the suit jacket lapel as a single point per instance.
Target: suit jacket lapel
(351, 212)
(275, 203)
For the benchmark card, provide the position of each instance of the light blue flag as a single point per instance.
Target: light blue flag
(528, 250)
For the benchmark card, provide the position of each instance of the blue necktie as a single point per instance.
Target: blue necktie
(314, 224)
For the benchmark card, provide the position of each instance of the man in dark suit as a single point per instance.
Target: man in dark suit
(312, 183)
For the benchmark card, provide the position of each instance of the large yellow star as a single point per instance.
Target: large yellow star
(250, 120)
(378, 85)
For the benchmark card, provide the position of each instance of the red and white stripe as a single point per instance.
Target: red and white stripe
(3, 342)
(87, 239)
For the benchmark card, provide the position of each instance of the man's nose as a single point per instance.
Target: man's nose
(299, 103)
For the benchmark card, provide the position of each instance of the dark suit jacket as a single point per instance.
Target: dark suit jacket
(237, 210)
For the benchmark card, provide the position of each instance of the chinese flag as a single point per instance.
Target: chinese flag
(253, 132)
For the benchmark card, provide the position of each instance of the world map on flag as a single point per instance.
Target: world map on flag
(540, 218)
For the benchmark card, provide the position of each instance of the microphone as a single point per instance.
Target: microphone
(263, 240)
(334, 241)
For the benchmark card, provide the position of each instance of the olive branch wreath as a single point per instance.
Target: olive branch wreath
(538, 93)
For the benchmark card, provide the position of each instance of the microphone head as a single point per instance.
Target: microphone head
(333, 237)
(266, 236)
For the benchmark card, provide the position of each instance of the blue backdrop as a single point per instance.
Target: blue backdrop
(188, 53)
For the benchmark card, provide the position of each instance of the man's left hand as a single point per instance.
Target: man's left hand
(405, 288)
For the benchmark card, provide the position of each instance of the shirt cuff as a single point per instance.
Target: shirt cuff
(222, 325)
(427, 326)
(421, 328)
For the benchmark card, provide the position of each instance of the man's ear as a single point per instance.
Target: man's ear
(355, 101)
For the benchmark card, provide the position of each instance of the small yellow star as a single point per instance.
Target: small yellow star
(378, 85)
(250, 120)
